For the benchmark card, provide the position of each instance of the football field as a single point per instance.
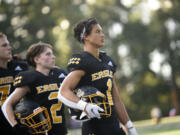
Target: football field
(167, 126)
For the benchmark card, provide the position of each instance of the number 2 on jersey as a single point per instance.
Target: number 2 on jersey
(109, 95)
(55, 107)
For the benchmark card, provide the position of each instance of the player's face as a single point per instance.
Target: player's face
(5, 49)
(46, 59)
(96, 36)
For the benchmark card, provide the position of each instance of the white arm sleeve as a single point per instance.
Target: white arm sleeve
(80, 105)
(3, 108)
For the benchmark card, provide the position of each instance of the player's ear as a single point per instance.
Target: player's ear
(85, 37)
(36, 59)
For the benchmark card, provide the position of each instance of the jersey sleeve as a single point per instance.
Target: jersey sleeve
(77, 62)
(23, 78)
(25, 65)
(19, 65)
(59, 73)
(114, 66)
(109, 61)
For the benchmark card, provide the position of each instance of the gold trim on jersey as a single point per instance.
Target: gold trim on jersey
(74, 61)
(102, 74)
(5, 80)
(17, 80)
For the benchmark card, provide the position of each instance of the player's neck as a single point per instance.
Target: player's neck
(92, 50)
(43, 70)
(3, 63)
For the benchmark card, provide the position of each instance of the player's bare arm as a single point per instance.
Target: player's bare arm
(11, 101)
(121, 111)
(119, 106)
(69, 85)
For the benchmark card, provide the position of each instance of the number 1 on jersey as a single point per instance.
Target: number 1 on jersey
(109, 95)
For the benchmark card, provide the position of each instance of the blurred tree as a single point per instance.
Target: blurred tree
(169, 38)
(145, 36)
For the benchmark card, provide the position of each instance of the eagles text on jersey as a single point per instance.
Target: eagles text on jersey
(98, 72)
(44, 91)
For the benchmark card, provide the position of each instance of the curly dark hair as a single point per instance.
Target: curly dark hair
(84, 27)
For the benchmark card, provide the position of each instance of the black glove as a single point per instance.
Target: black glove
(20, 130)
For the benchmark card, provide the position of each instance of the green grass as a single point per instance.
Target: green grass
(167, 126)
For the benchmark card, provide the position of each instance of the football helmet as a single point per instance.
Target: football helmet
(35, 118)
(90, 95)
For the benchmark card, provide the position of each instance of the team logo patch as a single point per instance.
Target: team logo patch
(18, 68)
(61, 76)
(110, 64)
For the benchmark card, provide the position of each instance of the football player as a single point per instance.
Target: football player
(9, 68)
(92, 67)
(40, 85)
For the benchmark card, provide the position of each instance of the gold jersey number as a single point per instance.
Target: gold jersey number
(55, 107)
(4, 92)
(109, 95)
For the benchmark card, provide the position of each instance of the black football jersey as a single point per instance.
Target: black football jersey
(7, 77)
(98, 72)
(44, 91)
(6, 88)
